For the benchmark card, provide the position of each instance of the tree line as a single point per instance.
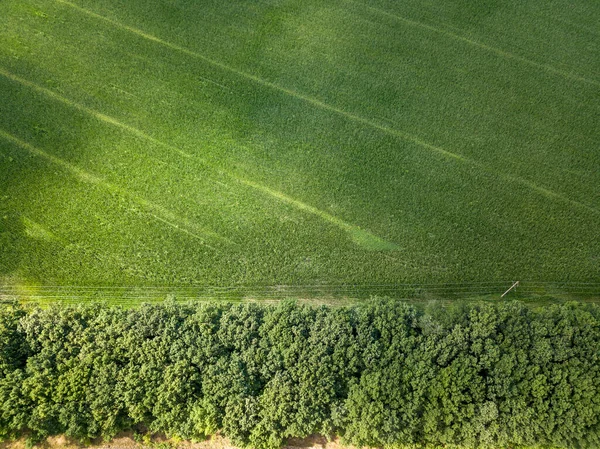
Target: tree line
(377, 374)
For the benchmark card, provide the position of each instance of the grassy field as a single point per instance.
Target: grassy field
(300, 143)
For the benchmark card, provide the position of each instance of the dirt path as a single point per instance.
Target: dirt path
(126, 441)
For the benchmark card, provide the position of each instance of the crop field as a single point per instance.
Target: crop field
(298, 146)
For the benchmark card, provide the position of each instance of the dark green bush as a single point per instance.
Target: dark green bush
(383, 374)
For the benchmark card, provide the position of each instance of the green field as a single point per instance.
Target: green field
(300, 143)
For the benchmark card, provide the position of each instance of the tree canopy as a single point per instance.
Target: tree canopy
(380, 374)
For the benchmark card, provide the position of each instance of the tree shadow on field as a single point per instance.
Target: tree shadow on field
(30, 118)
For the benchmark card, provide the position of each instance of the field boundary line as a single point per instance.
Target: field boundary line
(324, 106)
(445, 291)
(275, 288)
(344, 284)
(398, 294)
(497, 51)
(284, 286)
(93, 179)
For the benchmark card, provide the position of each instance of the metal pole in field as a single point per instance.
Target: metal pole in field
(515, 284)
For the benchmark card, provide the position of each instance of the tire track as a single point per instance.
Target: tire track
(350, 116)
(357, 234)
(497, 51)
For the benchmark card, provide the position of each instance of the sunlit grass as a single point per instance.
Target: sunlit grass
(305, 143)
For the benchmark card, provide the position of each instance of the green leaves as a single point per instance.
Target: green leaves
(383, 374)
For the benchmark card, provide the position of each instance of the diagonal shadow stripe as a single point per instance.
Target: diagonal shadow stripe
(157, 211)
(360, 236)
(321, 105)
(385, 129)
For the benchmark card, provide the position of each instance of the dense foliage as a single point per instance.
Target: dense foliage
(382, 374)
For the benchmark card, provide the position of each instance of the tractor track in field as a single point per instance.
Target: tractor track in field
(404, 135)
(166, 216)
(497, 51)
(357, 234)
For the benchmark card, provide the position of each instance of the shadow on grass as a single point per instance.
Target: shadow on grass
(30, 117)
